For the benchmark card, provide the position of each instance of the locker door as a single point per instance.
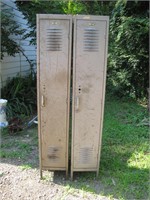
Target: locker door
(90, 52)
(54, 42)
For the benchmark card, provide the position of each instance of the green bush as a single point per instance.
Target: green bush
(21, 95)
(129, 49)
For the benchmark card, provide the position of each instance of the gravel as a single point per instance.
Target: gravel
(19, 181)
(18, 184)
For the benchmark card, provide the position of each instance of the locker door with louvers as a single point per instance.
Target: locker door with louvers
(89, 74)
(54, 47)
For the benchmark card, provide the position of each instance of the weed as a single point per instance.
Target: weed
(25, 167)
(1, 174)
(12, 154)
(87, 188)
(21, 95)
(48, 177)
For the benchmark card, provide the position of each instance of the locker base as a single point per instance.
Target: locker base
(84, 170)
(71, 175)
(41, 174)
(52, 170)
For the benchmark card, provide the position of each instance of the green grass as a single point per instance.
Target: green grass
(15, 150)
(125, 157)
(124, 163)
(25, 167)
(19, 146)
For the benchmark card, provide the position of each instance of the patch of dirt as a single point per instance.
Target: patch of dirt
(20, 183)
(17, 184)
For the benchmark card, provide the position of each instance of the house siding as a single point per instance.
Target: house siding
(18, 64)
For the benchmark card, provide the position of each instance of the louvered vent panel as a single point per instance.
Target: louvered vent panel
(54, 39)
(85, 155)
(91, 40)
(54, 153)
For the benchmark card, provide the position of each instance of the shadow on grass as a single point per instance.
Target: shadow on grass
(124, 158)
(116, 179)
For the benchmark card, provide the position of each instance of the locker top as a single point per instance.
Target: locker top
(91, 17)
(53, 16)
(61, 16)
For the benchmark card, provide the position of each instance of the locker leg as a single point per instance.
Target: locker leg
(66, 174)
(71, 175)
(41, 174)
(97, 173)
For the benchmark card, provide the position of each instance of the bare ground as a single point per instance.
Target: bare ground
(19, 181)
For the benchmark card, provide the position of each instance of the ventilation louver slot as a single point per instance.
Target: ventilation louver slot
(54, 39)
(91, 40)
(85, 155)
(54, 154)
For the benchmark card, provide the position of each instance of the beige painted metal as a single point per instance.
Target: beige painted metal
(89, 77)
(53, 83)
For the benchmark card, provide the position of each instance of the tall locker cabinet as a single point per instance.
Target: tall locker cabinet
(89, 75)
(53, 78)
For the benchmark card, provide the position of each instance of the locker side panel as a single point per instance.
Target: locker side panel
(88, 90)
(54, 87)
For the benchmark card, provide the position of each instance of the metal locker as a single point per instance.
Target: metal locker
(89, 77)
(54, 34)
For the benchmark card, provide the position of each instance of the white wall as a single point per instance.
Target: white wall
(11, 66)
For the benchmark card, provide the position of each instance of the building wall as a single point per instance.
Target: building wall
(18, 65)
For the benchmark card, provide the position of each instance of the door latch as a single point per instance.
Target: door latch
(43, 101)
(77, 103)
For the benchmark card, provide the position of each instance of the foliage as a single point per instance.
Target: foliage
(74, 7)
(21, 95)
(9, 28)
(30, 9)
(128, 42)
(128, 57)
(97, 7)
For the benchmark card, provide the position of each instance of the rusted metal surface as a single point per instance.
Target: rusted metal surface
(54, 56)
(89, 76)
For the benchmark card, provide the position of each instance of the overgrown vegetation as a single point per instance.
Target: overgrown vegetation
(21, 95)
(129, 35)
(127, 73)
(125, 160)
(129, 49)
(9, 30)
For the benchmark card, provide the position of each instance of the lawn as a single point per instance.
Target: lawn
(124, 165)
(125, 158)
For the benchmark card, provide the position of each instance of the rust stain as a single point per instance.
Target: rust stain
(85, 90)
(52, 156)
(61, 76)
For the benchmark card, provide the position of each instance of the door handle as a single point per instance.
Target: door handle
(77, 103)
(43, 101)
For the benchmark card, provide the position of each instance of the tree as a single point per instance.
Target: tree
(128, 61)
(128, 37)
(30, 9)
(9, 28)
